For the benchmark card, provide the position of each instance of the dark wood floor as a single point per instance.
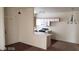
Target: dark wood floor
(25, 47)
(55, 46)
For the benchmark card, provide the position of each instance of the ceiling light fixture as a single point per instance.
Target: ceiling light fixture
(72, 19)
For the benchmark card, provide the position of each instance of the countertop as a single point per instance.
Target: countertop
(42, 33)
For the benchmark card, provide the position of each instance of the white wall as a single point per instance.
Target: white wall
(2, 35)
(63, 31)
(19, 27)
(26, 26)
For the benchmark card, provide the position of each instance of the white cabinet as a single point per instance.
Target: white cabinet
(53, 21)
(45, 22)
(42, 40)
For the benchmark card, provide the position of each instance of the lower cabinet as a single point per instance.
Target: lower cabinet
(42, 40)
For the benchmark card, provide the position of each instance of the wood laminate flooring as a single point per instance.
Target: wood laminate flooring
(55, 46)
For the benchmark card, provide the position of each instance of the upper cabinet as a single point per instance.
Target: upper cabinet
(46, 21)
(52, 21)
